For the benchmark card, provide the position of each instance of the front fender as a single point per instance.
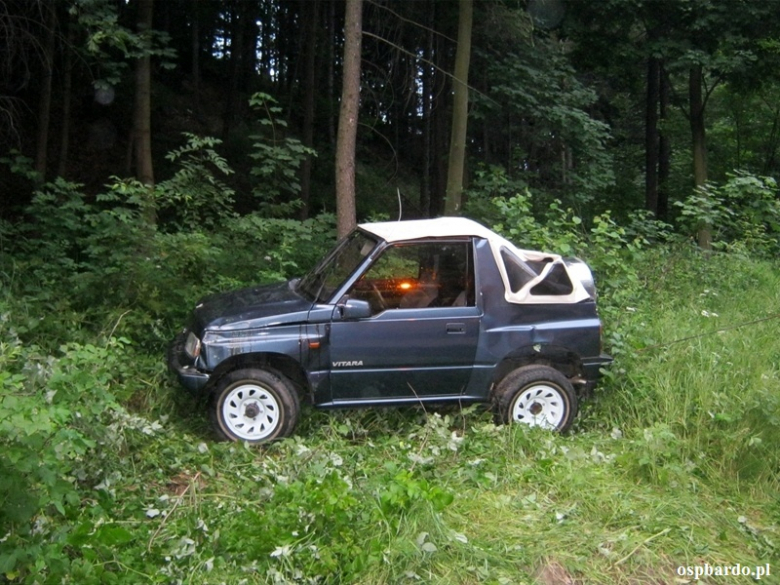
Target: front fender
(221, 346)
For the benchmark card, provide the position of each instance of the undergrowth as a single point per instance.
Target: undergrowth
(109, 474)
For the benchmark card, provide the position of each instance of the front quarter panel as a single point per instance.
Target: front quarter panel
(219, 346)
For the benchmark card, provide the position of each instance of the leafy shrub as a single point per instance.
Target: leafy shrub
(102, 258)
(278, 159)
(258, 249)
(194, 196)
(744, 213)
(62, 429)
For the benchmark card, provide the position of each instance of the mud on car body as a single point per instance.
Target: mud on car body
(399, 313)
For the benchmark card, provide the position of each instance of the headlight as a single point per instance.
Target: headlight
(192, 346)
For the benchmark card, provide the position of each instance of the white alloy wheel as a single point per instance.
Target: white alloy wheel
(254, 405)
(538, 396)
(539, 405)
(251, 412)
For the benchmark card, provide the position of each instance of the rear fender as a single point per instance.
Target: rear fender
(562, 359)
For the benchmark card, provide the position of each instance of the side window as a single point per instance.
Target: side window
(520, 273)
(556, 283)
(420, 275)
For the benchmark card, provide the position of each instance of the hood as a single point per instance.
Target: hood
(253, 307)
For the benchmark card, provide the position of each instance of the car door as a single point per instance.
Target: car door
(420, 341)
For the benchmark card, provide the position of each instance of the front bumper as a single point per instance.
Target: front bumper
(184, 366)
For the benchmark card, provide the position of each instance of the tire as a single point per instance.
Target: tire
(539, 396)
(254, 405)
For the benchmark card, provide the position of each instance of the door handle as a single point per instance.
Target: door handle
(456, 328)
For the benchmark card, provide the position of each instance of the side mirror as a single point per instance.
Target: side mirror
(354, 309)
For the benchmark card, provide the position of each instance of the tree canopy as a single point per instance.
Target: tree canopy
(624, 104)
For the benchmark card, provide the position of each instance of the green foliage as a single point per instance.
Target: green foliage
(107, 39)
(744, 213)
(108, 474)
(278, 159)
(696, 363)
(260, 249)
(96, 259)
(20, 165)
(533, 85)
(194, 195)
(61, 426)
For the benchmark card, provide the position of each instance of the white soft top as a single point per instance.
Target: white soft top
(443, 227)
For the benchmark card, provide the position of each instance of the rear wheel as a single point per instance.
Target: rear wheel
(254, 405)
(538, 396)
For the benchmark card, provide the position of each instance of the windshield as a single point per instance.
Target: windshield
(325, 278)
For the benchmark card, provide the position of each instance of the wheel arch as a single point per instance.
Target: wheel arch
(276, 362)
(566, 361)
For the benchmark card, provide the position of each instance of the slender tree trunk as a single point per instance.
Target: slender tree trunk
(348, 119)
(664, 150)
(331, 73)
(427, 127)
(265, 45)
(236, 51)
(249, 57)
(699, 146)
(459, 110)
(651, 136)
(44, 103)
(309, 89)
(439, 123)
(67, 84)
(195, 42)
(143, 106)
(771, 145)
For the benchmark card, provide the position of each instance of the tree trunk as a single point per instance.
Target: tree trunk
(331, 26)
(67, 84)
(664, 150)
(44, 102)
(459, 110)
(195, 65)
(236, 52)
(251, 16)
(439, 122)
(309, 89)
(651, 136)
(699, 146)
(427, 127)
(348, 119)
(143, 89)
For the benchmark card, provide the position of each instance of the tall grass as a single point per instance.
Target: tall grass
(704, 367)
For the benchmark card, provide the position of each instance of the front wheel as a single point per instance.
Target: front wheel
(538, 396)
(254, 405)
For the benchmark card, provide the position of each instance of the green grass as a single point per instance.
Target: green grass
(673, 462)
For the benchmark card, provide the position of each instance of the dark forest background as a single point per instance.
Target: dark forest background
(622, 104)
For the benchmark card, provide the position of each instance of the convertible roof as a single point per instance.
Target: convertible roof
(443, 227)
(396, 231)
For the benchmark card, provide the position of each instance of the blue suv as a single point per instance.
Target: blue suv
(399, 313)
